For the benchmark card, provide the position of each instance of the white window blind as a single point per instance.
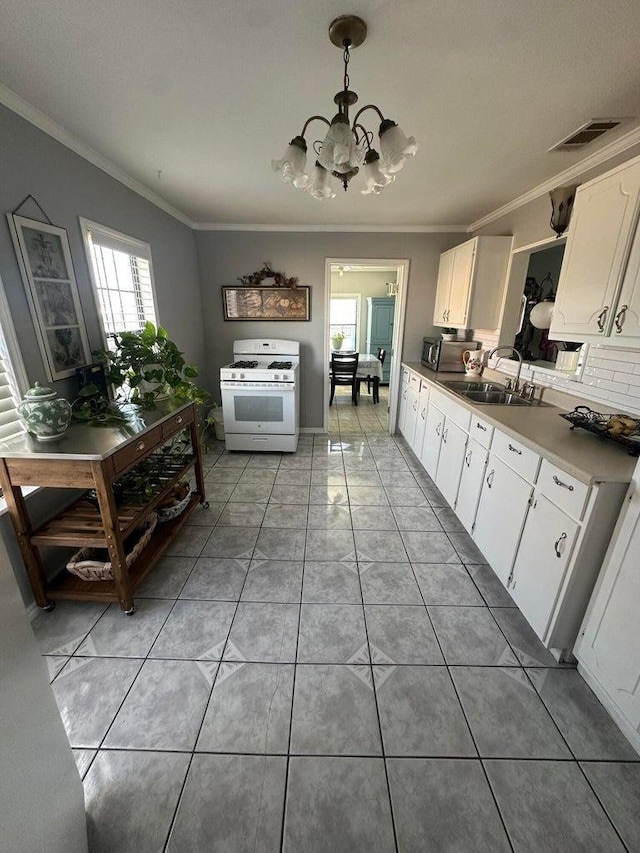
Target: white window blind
(343, 317)
(122, 276)
(10, 423)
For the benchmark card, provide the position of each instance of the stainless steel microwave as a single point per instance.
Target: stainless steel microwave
(445, 356)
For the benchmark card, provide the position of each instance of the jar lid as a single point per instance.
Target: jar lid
(40, 393)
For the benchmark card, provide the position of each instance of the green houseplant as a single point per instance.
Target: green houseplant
(147, 366)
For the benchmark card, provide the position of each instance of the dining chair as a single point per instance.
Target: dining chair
(382, 354)
(344, 367)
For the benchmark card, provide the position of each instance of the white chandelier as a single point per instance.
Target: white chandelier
(346, 146)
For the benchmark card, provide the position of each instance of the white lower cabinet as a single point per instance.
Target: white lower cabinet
(421, 423)
(402, 406)
(504, 501)
(411, 416)
(432, 441)
(473, 468)
(543, 556)
(608, 648)
(452, 449)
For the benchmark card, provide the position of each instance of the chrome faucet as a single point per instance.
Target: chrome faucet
(515, 385)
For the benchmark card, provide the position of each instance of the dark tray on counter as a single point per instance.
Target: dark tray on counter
(596, 422)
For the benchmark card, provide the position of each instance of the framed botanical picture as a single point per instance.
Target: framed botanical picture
(50, 284)
(266, 303)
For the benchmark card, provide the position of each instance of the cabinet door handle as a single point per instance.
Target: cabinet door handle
(444, 435)
(444, 315)
(423, 414)
(620, 318)
(140, 445)
(558, 544)
(602, 316)
(490, 477)
(438, 428)
(467, 459)
(479, 426)
(515, 450)
(560, 483)
(415, 406)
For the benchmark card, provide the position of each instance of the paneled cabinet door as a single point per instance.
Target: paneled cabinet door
(443, 292)
(609, 643)
(504, 501)
(454, 444)
(626, 320)
(411, 417)
(432, 441)
(604, 219)
(473, 467)
(421, 423)
(402, 408)
(461, 283)
(542, 559)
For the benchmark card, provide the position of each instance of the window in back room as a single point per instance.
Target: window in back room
(122, 277)
(344, 319)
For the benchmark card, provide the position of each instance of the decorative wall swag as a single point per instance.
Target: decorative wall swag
(279, 278)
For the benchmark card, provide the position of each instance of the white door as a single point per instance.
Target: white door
(626, 321)
(475, 460)
(445, 271)
(454, 443)
(432, 440)
(609, 642)
(411, 416)
(502, 510)
(461, 284)
(604, 219)
(421, 424)
(541, 562)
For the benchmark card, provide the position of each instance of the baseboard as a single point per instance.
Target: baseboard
(631, 734)
(312, 431)
(32, 611)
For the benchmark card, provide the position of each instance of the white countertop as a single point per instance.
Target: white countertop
(583, 455)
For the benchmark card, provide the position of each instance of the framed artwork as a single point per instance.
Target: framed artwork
(45, 264)
(266, 303)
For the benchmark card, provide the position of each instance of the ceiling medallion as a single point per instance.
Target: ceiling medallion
(347, 145)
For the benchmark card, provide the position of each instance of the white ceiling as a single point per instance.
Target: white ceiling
(206, 92)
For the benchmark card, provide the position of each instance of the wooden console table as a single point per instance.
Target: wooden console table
(88, 457)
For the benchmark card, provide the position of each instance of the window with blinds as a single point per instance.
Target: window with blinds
(13, 378)
(344, 317)
(122, 277)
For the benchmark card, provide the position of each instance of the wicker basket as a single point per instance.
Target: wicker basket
(168, 513)
(88, 566)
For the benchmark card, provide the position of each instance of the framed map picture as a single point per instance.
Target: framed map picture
(50, 284)
(266, 303)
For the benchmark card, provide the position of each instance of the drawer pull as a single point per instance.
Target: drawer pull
(179, 419)
(560, 483)
(490, 477)
(558, 544)
(479, 426)
(515, 450)
(140, 445)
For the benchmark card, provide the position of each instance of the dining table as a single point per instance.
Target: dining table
(369, 366)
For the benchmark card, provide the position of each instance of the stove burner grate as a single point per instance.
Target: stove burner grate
(247, 365)
(280, 365)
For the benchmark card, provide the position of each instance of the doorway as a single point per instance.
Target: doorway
(364, 313)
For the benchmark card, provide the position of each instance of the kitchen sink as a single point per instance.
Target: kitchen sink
(489, 394)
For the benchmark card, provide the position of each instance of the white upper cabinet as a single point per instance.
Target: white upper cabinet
(601, 266)
(471, 283)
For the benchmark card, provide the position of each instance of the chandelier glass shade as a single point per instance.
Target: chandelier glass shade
(347, 145)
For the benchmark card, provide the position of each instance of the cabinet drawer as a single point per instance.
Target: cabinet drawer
(454, 411)
(481, 431)
(563, 490)
(406, 373)
(176, 423)
(137, 449)
(414, 381)
(523, 460)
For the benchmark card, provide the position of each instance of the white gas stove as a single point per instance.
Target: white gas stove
(260, 395)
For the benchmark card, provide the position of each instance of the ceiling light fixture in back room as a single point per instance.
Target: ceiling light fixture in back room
(346, 145)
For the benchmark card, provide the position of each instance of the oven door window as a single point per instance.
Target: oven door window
(258, 408)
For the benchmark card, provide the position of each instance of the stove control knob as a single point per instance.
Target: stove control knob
(276, 377)
(242, 376)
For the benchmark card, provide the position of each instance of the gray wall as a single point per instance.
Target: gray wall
(67, 186)
(226, 255)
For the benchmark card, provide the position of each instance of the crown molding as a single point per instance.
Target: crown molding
(607, 152)
(356, 229)
(33, 115)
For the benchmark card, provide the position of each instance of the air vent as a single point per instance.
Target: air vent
(586, 133)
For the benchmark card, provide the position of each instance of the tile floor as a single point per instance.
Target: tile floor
(315, 668)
